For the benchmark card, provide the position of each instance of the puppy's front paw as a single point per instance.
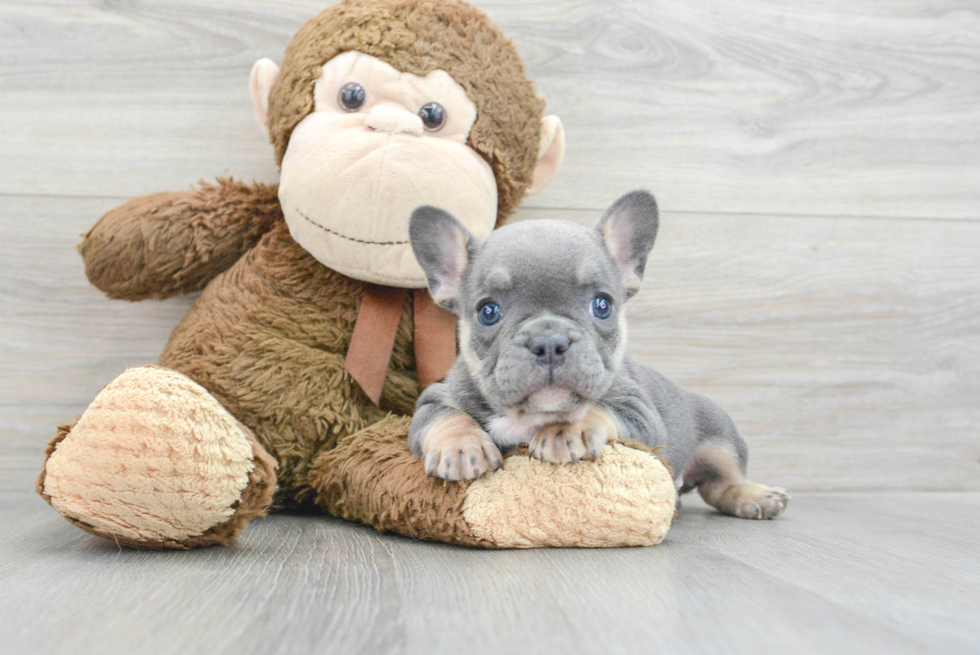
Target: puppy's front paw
(457, 448)
(561, 442)
(570, 442)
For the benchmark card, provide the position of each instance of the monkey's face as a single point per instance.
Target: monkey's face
(378, 144)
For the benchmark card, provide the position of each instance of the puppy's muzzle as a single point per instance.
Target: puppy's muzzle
(548, 339)
(549, 349)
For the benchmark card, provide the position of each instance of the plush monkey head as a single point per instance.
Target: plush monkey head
(385, 105)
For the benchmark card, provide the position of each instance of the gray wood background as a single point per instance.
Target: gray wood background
(818, 168)
(839, 573)
(817, 164)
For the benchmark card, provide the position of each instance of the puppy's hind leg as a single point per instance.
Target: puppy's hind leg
(718, 471)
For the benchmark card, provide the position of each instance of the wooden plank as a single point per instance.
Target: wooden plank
(847, 573)
(855, 550)
(847, 350)
(823, 107)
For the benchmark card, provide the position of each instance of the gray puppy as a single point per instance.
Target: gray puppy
(542, 338)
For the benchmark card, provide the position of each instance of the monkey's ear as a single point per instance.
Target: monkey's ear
(628, 229)
(264, 75)
(441, 246)
(550, 153)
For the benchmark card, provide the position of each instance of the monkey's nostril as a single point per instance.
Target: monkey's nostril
(394, 121)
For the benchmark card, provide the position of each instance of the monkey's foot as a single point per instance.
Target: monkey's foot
(626, 497)
(156, 462)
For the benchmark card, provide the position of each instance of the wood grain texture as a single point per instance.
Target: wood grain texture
(822, 107)
(850, 573)
(847, 350)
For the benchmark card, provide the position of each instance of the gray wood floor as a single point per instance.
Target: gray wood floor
(839, 573)
(818, 169)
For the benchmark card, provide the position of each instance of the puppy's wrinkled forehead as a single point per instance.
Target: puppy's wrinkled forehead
(550, 262)
(543, 261)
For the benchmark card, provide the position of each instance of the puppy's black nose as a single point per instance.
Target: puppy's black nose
(549, 349)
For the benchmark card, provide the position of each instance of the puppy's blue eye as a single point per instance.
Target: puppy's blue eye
(601, 307)
(488, 314)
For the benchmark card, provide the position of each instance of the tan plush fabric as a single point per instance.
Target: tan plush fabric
(530, 504)
(153, 458)
(254, 502)
(418, 37)
(350, 180)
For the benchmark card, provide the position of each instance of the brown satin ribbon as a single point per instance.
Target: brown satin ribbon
(373, 338)
(435, 339)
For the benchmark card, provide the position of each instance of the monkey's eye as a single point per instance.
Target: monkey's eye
(351, 96)
(433, 116)
(488, 314)
(601, 307)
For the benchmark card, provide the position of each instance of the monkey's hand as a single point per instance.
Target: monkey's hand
(170, 243)
(570, 442)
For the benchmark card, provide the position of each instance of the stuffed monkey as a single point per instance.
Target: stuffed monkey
(291, 381)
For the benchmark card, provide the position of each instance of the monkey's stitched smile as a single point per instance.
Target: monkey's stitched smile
(370, 152)
(344, 236)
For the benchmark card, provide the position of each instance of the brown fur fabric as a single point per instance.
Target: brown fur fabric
(268, 339)
(169, 243)
(419, 37)
(371, 477)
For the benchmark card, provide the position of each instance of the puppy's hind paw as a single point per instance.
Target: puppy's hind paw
(762, 503)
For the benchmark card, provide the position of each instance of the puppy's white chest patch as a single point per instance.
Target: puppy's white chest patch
(508, 431)
(550, 399)
(511, 429)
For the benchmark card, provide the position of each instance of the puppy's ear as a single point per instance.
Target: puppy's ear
(441, 246)
(628, 229)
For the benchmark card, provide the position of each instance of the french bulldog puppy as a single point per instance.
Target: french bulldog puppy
(542, 340)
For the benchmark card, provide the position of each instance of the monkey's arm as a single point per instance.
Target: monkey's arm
(169, 243)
